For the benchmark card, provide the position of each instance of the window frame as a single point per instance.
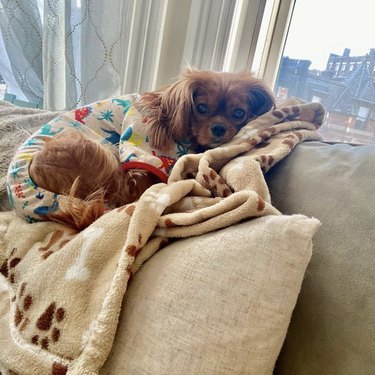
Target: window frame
(276, 36)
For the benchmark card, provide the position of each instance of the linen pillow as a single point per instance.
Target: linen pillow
(333, 325)
(218, 303)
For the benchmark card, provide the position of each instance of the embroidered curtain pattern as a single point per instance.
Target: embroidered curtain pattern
(68, 53)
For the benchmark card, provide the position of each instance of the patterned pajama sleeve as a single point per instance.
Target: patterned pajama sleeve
(135, 150)
(100, 121)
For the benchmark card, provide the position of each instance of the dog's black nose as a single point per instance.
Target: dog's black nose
(218, 130)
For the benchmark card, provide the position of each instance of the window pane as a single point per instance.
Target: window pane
(329, 57)
(2, 87)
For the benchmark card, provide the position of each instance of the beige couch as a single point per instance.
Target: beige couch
(332, 331)
(226, 309)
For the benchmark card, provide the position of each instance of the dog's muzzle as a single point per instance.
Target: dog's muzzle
(218, 130)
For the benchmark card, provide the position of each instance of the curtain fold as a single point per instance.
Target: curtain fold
(84, 50)
(59, 62)
(74, 52)
(21, 48)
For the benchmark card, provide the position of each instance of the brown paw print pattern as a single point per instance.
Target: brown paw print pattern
(7, 268)
(309, 112)
(57, 241)
(216, 184)
(166, 222)
(261, 204)
(23, 303)
(132, 250)
(261, 140)
(47, 327)
(59, 369)
(128, 209)
(293, 139)
(266, 162)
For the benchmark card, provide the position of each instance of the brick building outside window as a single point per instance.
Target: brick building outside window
(345, 88)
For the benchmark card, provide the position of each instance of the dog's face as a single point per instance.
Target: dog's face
(223, 104)
(206, 107)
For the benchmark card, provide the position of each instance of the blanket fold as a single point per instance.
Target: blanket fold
(61, 291)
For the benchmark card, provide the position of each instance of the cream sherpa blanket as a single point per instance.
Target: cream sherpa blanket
(62, 291)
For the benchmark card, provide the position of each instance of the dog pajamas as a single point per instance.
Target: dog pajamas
(115, 123)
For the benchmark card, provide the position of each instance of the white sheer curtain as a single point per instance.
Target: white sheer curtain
(68, 53)
(21, 49)
(72, 52)
(82, 56)
(92, 47)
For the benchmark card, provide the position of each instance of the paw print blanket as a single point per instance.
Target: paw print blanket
(61, 291)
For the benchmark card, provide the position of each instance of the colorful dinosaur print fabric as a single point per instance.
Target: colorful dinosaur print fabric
(115, 123)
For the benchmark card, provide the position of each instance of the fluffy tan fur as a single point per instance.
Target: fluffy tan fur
(70, 156)
(65, 166)
(173, 115)
(207, 108)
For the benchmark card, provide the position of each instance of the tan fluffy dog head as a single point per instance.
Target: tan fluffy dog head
(205, 107)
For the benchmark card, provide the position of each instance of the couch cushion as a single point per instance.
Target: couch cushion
(333, 326)
(219, 303)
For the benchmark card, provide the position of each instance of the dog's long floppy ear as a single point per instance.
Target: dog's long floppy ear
(262, 99)
(168, 112)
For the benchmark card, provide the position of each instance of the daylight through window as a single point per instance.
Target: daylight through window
(329, 57)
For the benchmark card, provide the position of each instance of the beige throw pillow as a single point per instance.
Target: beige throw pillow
(218, 303)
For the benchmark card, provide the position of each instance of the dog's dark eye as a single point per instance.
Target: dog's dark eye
(202, 109)
(238, 114)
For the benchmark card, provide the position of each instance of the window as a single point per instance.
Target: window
(2, 87)
(339, 54)
(302, 48)
(137, 45)
(316, 99)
